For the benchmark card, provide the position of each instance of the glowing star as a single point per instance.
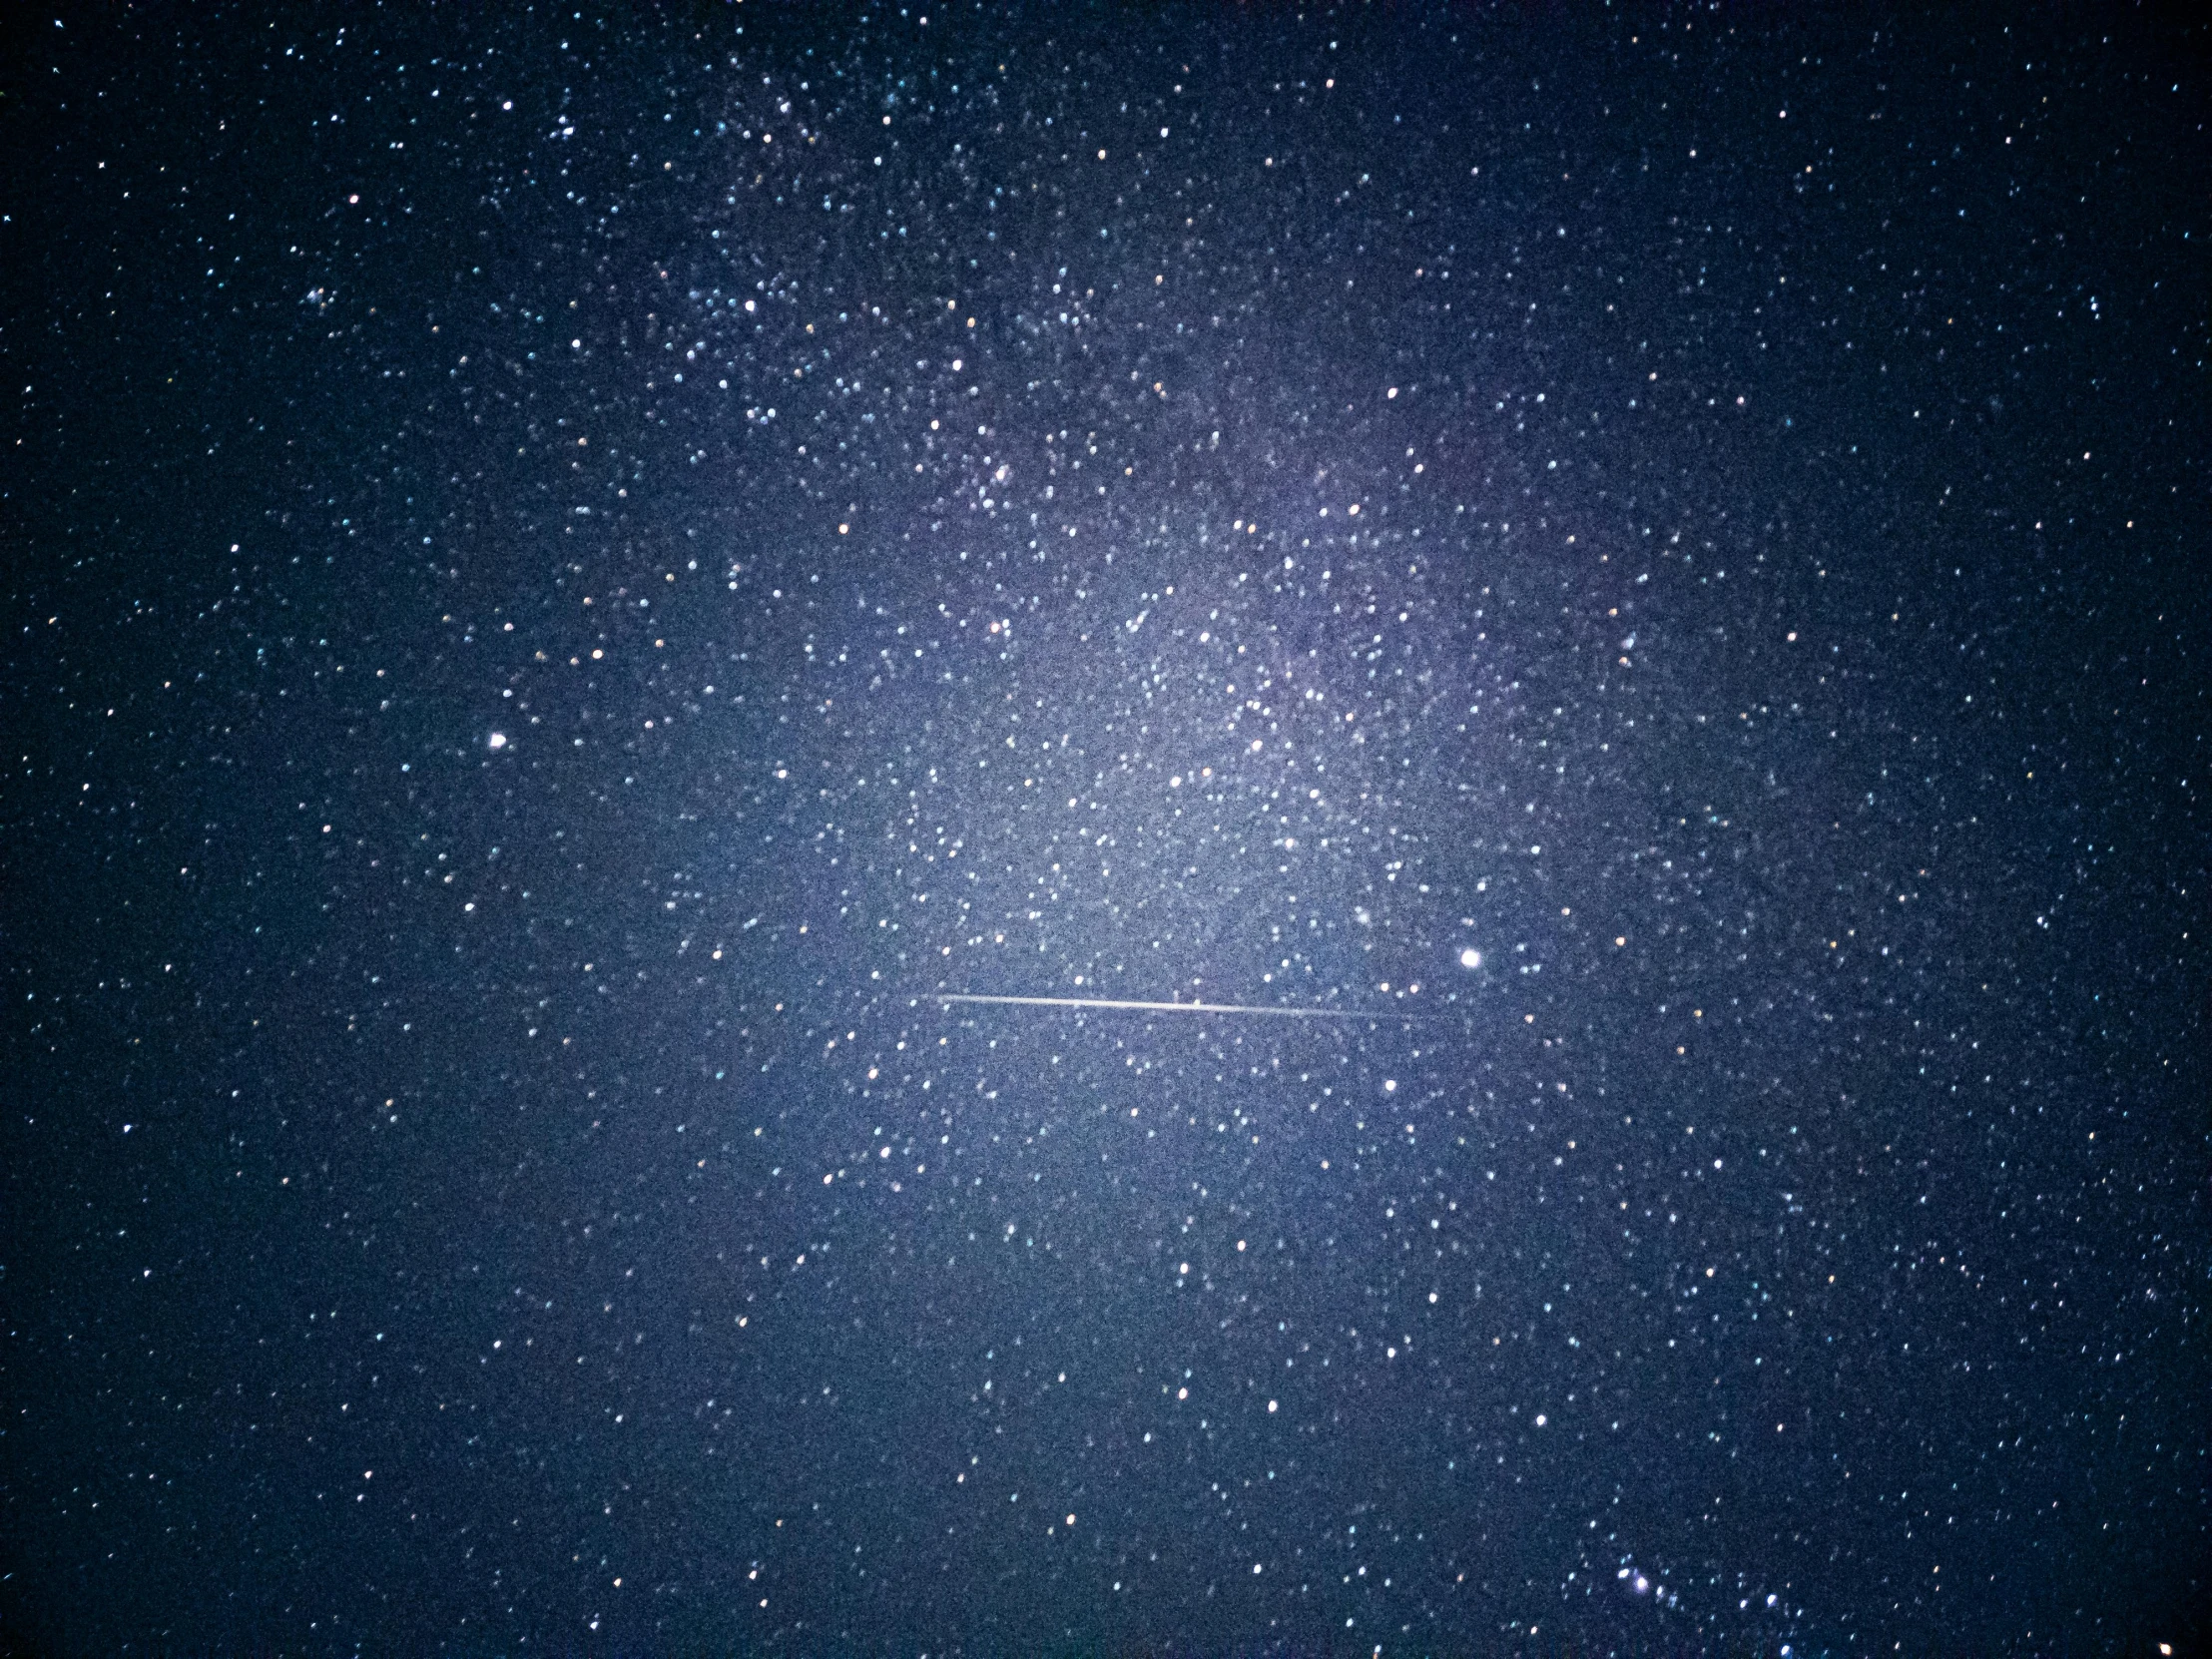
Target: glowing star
(1470, 957)
(498, 740)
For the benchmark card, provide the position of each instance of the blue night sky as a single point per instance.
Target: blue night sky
(573, 574)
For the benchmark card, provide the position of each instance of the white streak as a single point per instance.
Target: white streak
(949, 997)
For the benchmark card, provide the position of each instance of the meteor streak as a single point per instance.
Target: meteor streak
(949, 997)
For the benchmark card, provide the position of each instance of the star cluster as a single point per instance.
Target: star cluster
(576, 575)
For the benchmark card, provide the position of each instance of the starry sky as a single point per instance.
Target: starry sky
(571, 572)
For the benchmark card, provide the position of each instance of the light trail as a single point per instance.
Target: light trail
(949, 997)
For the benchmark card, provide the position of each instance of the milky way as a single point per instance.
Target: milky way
(1038, 830)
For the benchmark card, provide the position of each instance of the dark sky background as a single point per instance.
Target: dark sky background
(568, 571)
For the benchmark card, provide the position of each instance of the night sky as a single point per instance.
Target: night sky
(570, 573)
